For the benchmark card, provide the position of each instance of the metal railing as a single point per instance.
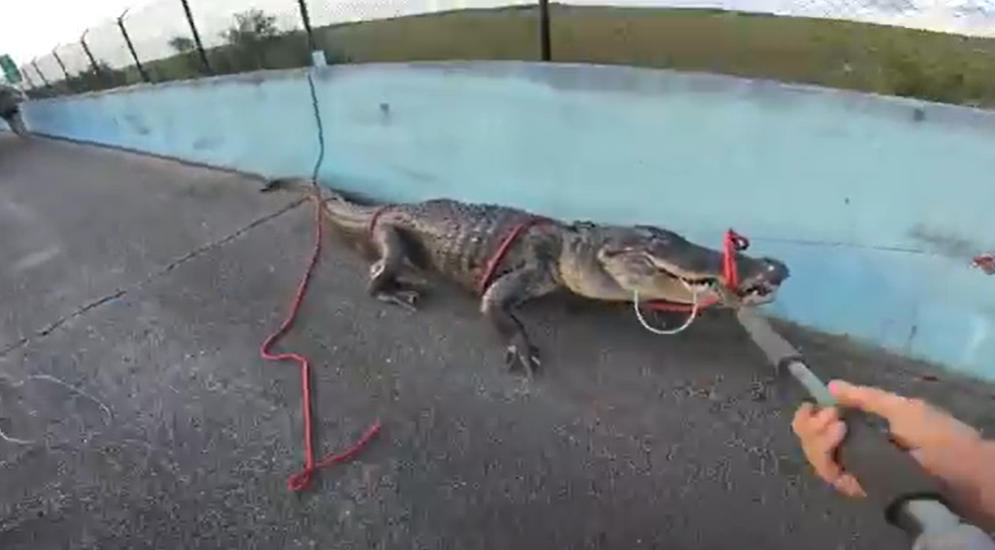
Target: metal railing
(939, 50)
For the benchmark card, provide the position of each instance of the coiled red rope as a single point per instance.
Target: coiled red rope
(301, 479)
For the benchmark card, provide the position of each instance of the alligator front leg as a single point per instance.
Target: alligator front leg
(506, 293)
(385, 284)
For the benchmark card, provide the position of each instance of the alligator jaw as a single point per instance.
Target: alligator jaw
(759, 286)
(657, 264)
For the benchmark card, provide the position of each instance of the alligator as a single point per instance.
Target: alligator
(459, 242)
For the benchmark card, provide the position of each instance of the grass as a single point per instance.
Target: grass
(839, 54)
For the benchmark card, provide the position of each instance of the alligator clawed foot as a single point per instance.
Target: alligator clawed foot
(520, 355)
(405, 299)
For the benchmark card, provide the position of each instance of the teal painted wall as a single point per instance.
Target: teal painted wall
(877, 204)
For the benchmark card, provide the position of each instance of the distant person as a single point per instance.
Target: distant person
(948, 449)
(11, 99)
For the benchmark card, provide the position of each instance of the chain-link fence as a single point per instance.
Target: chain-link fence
(932, 49)
(175, 40)
(427, 30)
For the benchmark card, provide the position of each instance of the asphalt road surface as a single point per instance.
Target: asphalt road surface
(134, 294)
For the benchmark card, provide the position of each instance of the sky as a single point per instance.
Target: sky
(41, 25)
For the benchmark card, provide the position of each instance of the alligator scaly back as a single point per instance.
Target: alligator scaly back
(458, 240)
(449, 239)
(453, 239)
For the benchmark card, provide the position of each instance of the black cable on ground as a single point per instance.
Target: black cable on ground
(321, 129)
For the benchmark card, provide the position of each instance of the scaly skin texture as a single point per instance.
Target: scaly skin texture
(449, 239)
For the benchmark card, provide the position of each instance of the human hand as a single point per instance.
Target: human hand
(939, 442)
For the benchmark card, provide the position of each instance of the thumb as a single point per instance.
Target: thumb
(868, 399)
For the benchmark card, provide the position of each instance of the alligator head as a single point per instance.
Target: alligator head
(662, 265)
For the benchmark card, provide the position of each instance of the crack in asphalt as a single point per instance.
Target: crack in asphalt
(152, 277)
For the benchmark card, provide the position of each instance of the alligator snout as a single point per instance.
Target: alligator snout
(776, 271)
(766, 278)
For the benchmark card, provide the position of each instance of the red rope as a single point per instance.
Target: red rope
(502, 251)
(732, 243)
(301, 479)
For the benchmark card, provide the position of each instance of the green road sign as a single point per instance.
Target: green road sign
(9, 69)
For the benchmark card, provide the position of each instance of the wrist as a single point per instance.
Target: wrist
(986, 474)
(971, 483)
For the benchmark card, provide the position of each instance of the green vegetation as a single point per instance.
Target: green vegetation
(840, 54)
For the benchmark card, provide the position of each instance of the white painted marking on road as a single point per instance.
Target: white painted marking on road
(35, 259)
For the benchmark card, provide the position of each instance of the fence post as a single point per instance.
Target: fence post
(131, 47)
(196, 37)
(545, 43)
(55, 53)
(34, 63)
(93, 62)
(65, 71)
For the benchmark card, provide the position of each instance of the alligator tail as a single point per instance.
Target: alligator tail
(340, 209)
(298, 185)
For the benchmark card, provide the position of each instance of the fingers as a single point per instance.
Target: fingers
(820, 433)
(912, 422)
(873, 400)
(809, 421)
(848, 485)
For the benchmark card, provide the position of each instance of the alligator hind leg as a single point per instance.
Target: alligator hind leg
(505, 294)
(385, 284)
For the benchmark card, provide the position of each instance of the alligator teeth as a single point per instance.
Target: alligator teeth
(762, 290)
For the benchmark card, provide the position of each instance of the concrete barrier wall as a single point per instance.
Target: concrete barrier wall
(877, 204)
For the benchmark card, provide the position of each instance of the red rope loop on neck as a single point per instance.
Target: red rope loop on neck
(495, 261)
